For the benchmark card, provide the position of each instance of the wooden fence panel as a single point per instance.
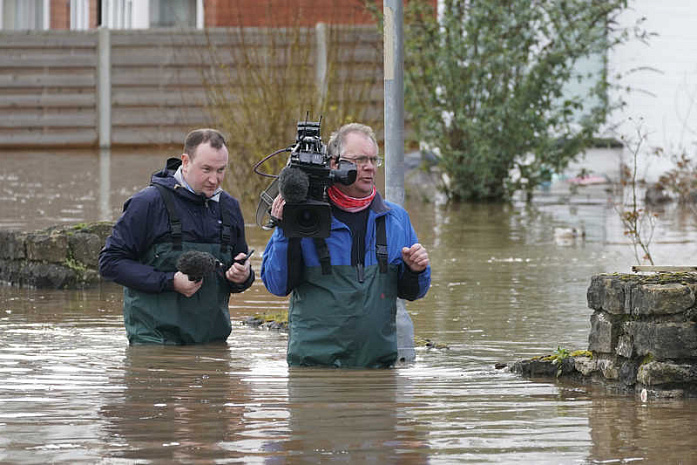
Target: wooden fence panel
(47, 82)
(162, 80)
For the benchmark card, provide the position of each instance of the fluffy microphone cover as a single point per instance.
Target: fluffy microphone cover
(196, 264)
(294, 184)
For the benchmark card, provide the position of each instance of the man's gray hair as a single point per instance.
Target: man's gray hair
(335, 147)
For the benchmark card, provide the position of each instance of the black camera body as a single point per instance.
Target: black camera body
(304, 182)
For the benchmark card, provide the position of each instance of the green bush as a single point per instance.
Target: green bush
(488, 87)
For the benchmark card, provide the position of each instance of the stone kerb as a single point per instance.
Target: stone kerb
(56, 257)
(643, 335)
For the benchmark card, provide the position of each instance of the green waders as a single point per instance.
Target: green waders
(338, 320)
(170, 317)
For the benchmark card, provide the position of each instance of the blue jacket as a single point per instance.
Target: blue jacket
(145, 222)
(280, 276)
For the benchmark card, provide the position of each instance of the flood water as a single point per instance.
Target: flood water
(73, 391)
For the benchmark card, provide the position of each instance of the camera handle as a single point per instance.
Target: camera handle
(266, 198)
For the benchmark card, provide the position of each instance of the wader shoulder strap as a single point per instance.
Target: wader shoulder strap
(174, 222)
(323, 255)
(226, 231)
(295, 264)
(381, 243)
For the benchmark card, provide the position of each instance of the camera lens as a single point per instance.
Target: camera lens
(307, 220)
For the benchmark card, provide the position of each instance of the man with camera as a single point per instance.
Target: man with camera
(184, 209)
(344, 286)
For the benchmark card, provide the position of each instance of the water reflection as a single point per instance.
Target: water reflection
(177, 404)
(105, 185)
(56, 352)
(72, 391)
(39, 189)
(625, 430)
(354, 416)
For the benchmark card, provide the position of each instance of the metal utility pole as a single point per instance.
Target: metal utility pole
(394, 100)
(394, 143)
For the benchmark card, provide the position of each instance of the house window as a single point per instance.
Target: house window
(79, 14)
(24, 14)
(173, 13)
(117, 14)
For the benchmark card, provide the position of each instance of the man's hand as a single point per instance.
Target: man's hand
(415, 257)
(239, 271)
(183, 286)
(277, 207)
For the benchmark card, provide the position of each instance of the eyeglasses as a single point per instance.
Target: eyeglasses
(363, 160)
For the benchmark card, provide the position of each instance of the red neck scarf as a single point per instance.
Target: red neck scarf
(348, 203)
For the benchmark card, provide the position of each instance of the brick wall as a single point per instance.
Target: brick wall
(94, 19)
(278, 13)
(254, 13)
(60, 14)
(284, 12)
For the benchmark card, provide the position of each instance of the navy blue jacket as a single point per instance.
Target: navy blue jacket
(145, 221)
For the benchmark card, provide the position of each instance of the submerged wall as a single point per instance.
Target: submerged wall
(56, 257)
(643, 336)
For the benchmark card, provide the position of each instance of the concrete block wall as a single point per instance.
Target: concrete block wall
(49, 81)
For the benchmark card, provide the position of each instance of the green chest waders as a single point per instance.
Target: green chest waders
(170, 317)
(337, 319)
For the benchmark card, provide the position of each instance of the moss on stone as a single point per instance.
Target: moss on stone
(278, 321)
(648, 358)
(74, 265)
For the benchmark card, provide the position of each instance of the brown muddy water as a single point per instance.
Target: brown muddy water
(73, 391)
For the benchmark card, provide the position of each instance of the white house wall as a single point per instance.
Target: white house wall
(663, 99)
(141, 14)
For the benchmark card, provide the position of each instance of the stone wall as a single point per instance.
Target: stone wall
(643, 336)
(57, 257)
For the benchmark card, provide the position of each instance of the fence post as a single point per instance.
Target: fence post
(321, 63)
(104, 87)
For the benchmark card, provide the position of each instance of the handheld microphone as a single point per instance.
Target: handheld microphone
(294, 184)
(196, 264)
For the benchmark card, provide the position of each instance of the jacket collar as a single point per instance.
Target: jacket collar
(166, 178)
(379, 206)
(179, 176)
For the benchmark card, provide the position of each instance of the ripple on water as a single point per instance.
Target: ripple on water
(73, 391)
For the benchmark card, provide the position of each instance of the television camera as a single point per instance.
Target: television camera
(303, 183)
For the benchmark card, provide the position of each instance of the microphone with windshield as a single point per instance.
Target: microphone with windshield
(294, 184)
(196, 264)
